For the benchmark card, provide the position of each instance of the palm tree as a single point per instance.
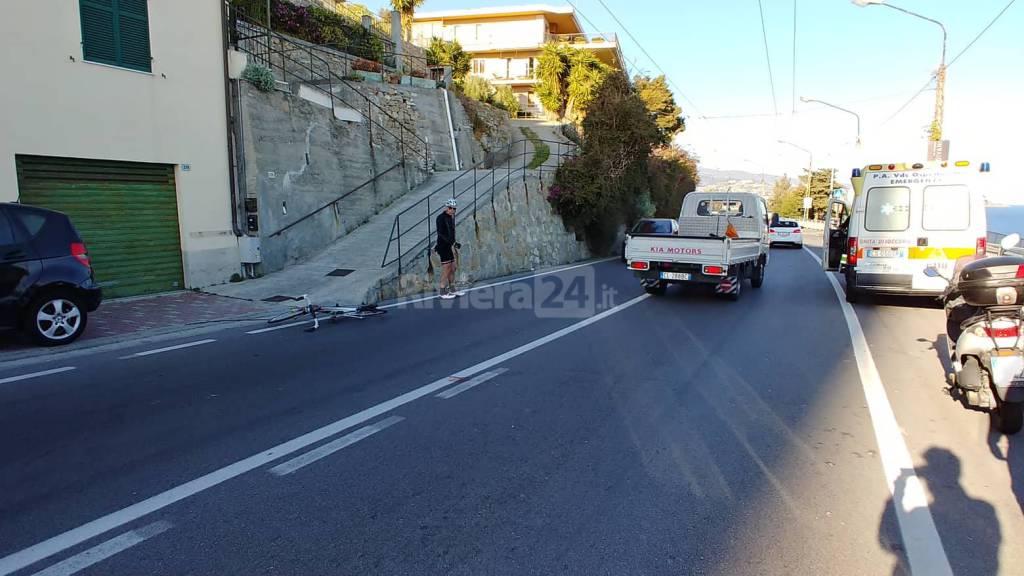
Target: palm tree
(407, 8)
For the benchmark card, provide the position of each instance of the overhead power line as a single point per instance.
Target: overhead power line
(649, 57)
(951, 62)
(767, 56)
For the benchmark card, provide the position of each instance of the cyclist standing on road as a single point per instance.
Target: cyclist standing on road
(446, 249)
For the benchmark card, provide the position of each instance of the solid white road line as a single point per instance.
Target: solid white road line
(503, 282)
(75, 536)
(35, 374)
(476, 381)
(333, 446)
(167, 349)
(920, 537)
(281, 327)
(101, 552)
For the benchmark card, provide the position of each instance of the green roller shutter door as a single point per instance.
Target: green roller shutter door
(127, 213)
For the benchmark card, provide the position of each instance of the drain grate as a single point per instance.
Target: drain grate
(279, 298)
(340, 272)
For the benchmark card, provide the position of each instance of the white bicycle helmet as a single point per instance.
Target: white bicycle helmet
(451, 203)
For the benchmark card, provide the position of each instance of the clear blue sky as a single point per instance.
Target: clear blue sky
(870, 59)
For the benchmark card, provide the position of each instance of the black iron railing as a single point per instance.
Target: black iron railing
(285, 56)
(413, 231)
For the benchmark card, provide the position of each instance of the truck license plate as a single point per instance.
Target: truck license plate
(675, 276)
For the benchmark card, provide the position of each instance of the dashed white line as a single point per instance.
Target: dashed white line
(22, 558)
(333, 446)
(920, 537)
(35, 374)
(476, 381)
(281, 327)
(168, 349)
(101, 552)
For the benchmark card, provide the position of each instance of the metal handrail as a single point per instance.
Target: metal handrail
(559, 151)
(260, 32)
(335, 201)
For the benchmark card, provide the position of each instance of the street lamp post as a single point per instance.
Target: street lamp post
(810, 173)
(940, 76)
(840, 108)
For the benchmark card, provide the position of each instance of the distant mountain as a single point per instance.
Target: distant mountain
(710, 176)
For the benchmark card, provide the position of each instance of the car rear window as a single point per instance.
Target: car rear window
(653, 227)
(6, 233)
(947, 207)
(50, 233)
(720, 208)
(887, 209)
(787, 224)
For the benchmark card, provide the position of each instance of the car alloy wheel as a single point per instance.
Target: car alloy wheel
(58, 319)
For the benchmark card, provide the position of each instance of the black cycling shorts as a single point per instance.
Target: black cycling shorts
(445, 252)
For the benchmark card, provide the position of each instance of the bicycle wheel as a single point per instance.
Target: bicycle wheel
(285, 316)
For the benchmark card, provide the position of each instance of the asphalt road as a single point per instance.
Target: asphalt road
(562, 424)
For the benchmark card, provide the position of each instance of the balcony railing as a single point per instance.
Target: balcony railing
(584, 38)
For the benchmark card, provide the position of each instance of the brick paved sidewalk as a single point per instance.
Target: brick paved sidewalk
(132, 315)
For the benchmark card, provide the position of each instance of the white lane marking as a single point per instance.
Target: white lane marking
(63, 541)
(101, 552)
(333, 446)
(503, 282)
(167, 349)
(476, 381)
(920, 537)
(281, 327)
(35, 374)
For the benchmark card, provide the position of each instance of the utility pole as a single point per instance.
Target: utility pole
(935, 134)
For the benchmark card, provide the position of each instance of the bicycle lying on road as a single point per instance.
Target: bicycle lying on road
(331, 312)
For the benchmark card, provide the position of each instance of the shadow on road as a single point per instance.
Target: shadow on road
(968, 527)
(1014, 458)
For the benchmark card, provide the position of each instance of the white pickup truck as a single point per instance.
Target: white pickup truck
(722, 240)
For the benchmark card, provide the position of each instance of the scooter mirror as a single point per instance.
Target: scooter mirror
(932, 272)
(1010, 241)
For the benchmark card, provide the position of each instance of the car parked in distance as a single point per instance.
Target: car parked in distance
(786, 232)
(665, 226)
(47, 288)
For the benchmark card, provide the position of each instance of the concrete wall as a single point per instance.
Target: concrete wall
(55, 104)
(298, 157)
(518, 232)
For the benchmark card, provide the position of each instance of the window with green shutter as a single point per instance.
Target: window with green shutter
(116, 32)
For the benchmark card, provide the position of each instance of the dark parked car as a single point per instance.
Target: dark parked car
(666, 226)
(46, 281)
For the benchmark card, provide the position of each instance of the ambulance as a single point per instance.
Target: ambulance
(901, 219)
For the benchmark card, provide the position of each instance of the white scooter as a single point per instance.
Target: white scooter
(985, 311)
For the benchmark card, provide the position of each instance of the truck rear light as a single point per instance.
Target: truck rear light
(637, 265)
(1011, 332)
(79, 252)
(1020, 271)
(981, 246)
(714, 270)
(851, 254)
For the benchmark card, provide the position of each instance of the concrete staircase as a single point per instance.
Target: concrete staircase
(358, 255)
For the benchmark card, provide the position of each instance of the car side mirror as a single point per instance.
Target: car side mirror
(932, 272)
(1010, 241)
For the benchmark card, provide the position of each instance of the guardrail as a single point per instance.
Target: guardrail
(413, 230)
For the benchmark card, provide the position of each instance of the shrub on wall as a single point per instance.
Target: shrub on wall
(259, 76)
(478, 89)
(505, 99)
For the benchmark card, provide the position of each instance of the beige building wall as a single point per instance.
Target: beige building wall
(507, 33)
(55, 104)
